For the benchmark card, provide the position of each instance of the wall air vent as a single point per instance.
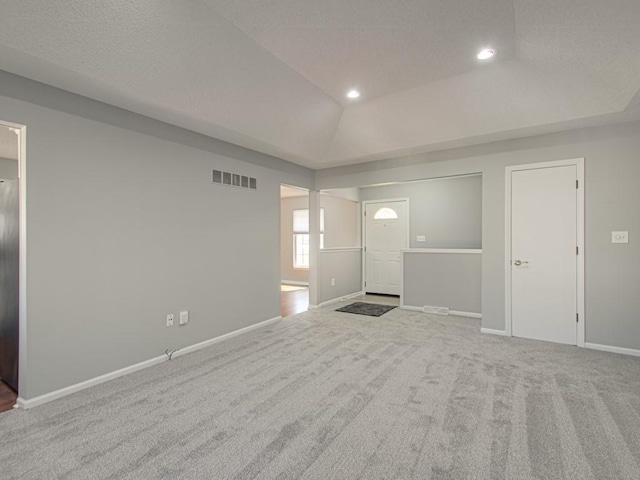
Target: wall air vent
(233, 180)
(436, 310)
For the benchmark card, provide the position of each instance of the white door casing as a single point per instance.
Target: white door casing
(544, 281)
(384, 240)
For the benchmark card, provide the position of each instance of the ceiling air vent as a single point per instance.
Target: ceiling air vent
(233, 180)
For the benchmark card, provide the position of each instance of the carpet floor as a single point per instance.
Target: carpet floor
(328, 395)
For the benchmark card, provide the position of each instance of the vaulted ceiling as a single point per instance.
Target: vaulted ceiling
(272, 76)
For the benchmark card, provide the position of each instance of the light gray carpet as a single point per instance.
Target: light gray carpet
(327, 395)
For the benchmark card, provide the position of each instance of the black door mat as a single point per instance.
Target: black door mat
(371, 309)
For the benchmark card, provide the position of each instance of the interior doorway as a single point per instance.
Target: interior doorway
(294, 250)
(545, 288)
(10, 146)
(386, 233)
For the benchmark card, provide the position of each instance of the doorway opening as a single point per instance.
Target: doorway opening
(294, 250)
(10, 262)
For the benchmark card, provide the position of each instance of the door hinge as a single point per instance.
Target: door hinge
(577, 321)
(576, 183)
(577, 251)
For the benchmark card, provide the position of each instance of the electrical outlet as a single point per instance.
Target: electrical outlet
(333, 282)
(170, 320)
(184, 317)
(421, 238)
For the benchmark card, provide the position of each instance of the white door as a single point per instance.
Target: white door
(385, 235)
(544, 226)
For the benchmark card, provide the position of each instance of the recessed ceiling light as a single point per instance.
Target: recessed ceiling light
(353, 93)
(486, 53)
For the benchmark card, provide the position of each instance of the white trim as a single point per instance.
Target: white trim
(580, 272)
(226, 336)
(336, 300)
(364, 234)
(608, 348)
(294, 282)
(414, 309)
(63, 392)
(491, 331)
(455, 313)
(458, 313)
(442, 250)
(340, 249)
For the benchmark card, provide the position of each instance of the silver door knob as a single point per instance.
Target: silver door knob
(517, 263)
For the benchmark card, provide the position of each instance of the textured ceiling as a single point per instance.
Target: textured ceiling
(271, 76)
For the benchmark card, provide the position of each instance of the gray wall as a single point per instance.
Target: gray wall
(345, 267)
(287, 272)
(125, 226)
(447, 211)
(452, 280)
(612, 164)
(8, 169)
(340, 222)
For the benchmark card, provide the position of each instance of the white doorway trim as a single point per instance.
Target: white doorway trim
(364, 233)
(579, 163)
(22, 285)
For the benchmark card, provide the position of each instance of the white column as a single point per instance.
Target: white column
(314, 247)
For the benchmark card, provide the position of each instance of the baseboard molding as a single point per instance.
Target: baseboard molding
(491, 331)
(26, 404)
(413, 309)
(456, 313)
(336, 300)
(608, 348)
(226, 336)
(294, 282)
(465, 314)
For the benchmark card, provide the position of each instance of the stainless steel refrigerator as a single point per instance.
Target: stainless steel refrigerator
(9, 281)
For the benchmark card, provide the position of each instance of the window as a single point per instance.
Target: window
(385, 213)
(301, 237)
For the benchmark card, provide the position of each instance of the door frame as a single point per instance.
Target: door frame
(364, 235)
(22, 268)
(580, 270)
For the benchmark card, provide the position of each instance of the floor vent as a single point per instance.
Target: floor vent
(436, 310)
(233, 180)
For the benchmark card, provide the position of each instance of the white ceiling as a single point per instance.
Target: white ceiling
(271, 76)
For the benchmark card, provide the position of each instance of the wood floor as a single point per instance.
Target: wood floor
(294, 299)
(7, 397)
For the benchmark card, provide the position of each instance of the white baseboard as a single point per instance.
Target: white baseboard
(465, 314)
(491, 331)
(608, 348)
(451, 312)
(63, 392)
(336, 300)
(413, 309)
(294, 282)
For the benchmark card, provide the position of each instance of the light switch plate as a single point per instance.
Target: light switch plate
(619, 237)
(184, 317)
(421, 238)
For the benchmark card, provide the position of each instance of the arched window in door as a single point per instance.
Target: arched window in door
(385, 213)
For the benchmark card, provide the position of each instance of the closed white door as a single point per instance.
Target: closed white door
(385, 235)
(544, 257)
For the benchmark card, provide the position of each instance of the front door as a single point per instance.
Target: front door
(385, 235)
(544, 261)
